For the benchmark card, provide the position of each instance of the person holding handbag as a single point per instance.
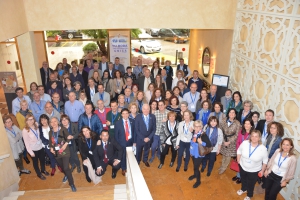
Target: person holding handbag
(194, 151)
(243, 135)
(280, 169)
(59, 139)
(215, 136)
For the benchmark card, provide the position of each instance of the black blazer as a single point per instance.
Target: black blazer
(217, 99)
(141, 129)
(114, 151)
(261, 125)
(152, 72)
(141, 81)
(112, 73)
(84, 149)
(100, 66)
(169, 80)
(120, 132)
(42, 72)
(239, 116)
(85, 77)
(88, 92)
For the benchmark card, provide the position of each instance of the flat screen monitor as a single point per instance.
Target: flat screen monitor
(220, 80)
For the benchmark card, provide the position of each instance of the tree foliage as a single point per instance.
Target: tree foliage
(53, 33)
(90, 47)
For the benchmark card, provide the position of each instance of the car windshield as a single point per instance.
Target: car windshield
(177, 31)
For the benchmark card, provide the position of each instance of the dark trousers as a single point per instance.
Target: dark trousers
(51, 156)
(197, 162)
(211, 158)
(155, 145)
(129, 143)
(140, 144)
(183, 146)
(74, 160)
(39, 156)
(273, 186)
(248, 181)
(165, 151)
(63, 162)
(114, 168)
(85, 169)
(19, 163)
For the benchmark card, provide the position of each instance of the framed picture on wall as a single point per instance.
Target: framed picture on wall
(220, 80)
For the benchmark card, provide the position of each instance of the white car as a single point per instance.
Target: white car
(146, 45)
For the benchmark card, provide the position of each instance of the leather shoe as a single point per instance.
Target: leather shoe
(65, 179)
(26, 160)
(113, 175)
(25, 171)
(60, 169)
(42, 177)
(185, 169)
(171, 164)
(177, 169)
(88, 179)
(147, 164)
(78, 169)
(160, 166)
(234, 178)
(45, 173)
(53, 171)
(73, 188)
(238, 181)
(192, 177)
(208, 173)
(123, 172)
(196, 184)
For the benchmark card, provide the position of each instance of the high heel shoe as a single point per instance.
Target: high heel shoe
(26, 160)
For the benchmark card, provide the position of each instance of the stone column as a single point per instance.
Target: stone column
(29, 59)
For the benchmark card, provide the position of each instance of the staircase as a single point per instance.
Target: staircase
(116, 192)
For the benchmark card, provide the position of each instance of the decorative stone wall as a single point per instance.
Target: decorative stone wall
(265, 64)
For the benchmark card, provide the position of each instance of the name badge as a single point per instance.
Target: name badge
(104, 125)
(112, 126)
(192, 106)
(90, 152)
(191, 148)
(70, 142)
(57, 148)
(248, 161)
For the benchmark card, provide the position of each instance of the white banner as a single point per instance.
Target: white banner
(119, 46)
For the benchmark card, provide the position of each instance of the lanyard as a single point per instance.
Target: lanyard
(250, 153)
(193, 100)
(89, 144)
(55, 136)
(280, 163)
(35, 133)
(185, 130)
(243, 117)
(170, 127)
(140, 105)
(12, 131)
(113, 117)
(39, 106)
(19, 99)
(213, 99)
(118, 83)
(101, 96)
(58, 107)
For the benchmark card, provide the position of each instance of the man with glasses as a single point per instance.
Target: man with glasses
(16, 102)
(191, 98)
(161, 116)
(51, 112)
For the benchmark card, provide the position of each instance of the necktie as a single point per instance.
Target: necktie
(105, 153)
(126, 130)
(147, 122)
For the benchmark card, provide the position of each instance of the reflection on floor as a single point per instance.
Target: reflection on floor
(164, 184)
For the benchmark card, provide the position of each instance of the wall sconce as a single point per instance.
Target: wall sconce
(212, 64)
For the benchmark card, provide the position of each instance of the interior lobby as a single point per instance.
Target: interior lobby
(256, 43)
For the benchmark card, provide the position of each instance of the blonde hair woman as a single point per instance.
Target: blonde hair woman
(34, 146)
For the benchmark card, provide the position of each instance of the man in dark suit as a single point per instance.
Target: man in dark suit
(53, 79)
(118, 66)
(145, 128)
(103, 65)
(185, 68)
(111, 70)
(45, 72)
(212, 95)
(125, 135)
(144, 81)
(84, 75)
(262, 124)
(109, 152)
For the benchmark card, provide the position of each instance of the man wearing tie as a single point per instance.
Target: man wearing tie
(109, 152)
(124, 135)
(145, 127)
(128, 97)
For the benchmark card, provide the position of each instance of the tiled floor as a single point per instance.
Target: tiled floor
(164, 184)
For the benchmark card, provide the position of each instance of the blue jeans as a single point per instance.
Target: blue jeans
(183, 146)
(51, 156)
(155, 145)
(211, 158)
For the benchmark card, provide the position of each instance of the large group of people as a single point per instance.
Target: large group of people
(99, 109)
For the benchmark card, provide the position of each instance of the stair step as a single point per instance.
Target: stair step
(11, 198)
(17, 193)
